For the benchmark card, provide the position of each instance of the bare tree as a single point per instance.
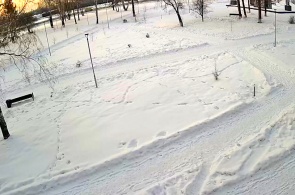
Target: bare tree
(62, 10)
(259, 11)
(216, 72)
(200, 8)
(239, 8)
(176, 6)
(49, 4)
(19, 48)
(244, 8)
(133, 8)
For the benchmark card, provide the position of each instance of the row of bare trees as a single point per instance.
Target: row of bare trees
(67, 8)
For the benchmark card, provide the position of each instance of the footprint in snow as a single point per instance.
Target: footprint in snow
(161, 134)
(121, 144)
(132, 143)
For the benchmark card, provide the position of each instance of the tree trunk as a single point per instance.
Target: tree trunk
(96, 12)
(3, 126)
(50, 19)
(78, 12)
(239, 8)
(63, 21)
(259, 11)
(179, 18)
(249, 5)
(74, 16)
(133, 9)
(265, 7)
(202, 10)
(244, 8)
(125, 7)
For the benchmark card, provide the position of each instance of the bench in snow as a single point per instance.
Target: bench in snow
(10, 101)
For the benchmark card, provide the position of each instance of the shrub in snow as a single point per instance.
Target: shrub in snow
(291, 20)
(124, 21)
(147, 35)
(216, 73)
(129, 45)
(78, 64)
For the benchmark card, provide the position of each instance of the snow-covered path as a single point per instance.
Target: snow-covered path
(194, 149)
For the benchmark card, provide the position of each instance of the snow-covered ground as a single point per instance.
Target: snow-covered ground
(159, 122)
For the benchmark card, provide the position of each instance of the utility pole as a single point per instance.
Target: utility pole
(86, 35)
(275, 44)
(47, 39)
(107, 14)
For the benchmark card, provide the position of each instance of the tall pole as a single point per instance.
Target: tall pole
(87, 18)
(47, 39)
(86, 35)
(107, 15)
(275, 27)
(189, 9)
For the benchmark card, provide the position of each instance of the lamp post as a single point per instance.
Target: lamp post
(107, 13)
(275, 44)
(47, 39)
(86, 35)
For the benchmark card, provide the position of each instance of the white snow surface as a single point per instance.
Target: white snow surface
(158, 123)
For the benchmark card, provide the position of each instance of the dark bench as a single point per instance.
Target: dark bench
(233, 14)
(10, 101)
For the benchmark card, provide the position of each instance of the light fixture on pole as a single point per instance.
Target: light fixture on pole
(86, 35)
(275, 44)
(47, 39)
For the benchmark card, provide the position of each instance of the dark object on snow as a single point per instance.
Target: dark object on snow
(232, 14)
(288, 8)
(78, 64)
(147, 35)
(3, 126)
(10, 101)
(129, 45)
(233, 2)
(124, 21)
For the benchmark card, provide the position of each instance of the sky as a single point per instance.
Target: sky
(30, 6)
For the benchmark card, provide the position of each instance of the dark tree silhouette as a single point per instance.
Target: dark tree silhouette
(176, 5)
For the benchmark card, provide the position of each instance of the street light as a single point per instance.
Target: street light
(107, 14)
(275, 27)
(86, 35)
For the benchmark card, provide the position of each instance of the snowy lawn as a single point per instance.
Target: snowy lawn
(81, 126)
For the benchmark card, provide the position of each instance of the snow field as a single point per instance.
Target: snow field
(63, 137)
